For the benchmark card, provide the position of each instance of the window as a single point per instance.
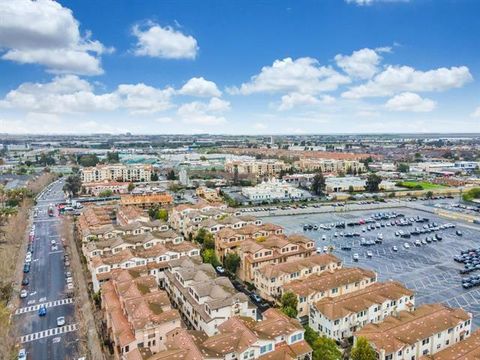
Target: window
(425, 341)
(265, 348)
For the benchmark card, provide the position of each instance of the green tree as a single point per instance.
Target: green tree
(154, 177)
(351, 190)
(208, 256)
(171, 175)
(131, 186)
(429, 194)
(373, 182)
(113, 157)
(403, 168)
(162, 214)
(88, 160)
(325, 349)
(289, 303)
(318, 184)
(232, 261)
(106, 193)
(363, 350)
(73, 184)
(201, 234)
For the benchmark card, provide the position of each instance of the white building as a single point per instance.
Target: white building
(339, 317)
(274, 190)
(116, 172)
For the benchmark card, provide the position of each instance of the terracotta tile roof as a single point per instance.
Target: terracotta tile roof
(468, 349)
(406, 328)
(328, 280)
(354, 302)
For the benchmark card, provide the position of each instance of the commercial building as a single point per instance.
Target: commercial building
(136, 313)
(275, 337)
(204, 299)
(331, 284)
(270, 278)
(408, 335)
(274, 190)
(339, 317)
(116, 172)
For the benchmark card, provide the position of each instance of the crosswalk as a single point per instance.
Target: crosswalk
(49, 332)
(48, 304)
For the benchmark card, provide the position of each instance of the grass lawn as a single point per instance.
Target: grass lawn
(425, 185)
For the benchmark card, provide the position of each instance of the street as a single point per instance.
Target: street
(39, 335)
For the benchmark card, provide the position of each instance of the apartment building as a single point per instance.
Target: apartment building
(136, 313)
(275, 337)
(228, 239)
(326, 284)
(204, 300)
(467, 349)
(330, 166)
(116, 172)
(116, 187)
(339, 317)
(428, 330)
(154, 258)
(270, 278)
(256, 168)
(255, 254)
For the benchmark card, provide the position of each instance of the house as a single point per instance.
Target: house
(467, 349)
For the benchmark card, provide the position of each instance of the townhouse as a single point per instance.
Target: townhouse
(339, 317)
(269, 279)
(467, 349)
(275, 337)
(228, 239)
(428, 330)
(116, 172)
(255, 254)
(204, 300)
(154, 257)
(136, 313)
(231, 222)
(186, 215)
(330, 283)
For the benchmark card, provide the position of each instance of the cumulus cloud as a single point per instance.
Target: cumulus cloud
(292, 100)
(204, 113)
(200, 87)
(361, 64)
(303, 75)
(70, 94)
(46, 33)
(163, 42)
(395, 79)
(408, 101)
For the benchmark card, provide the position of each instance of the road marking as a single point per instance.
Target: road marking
(56, 340)
(55, 252)
(50, 332)
(42, 299)
(48, 305)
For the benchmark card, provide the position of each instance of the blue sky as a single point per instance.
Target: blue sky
(239, 67)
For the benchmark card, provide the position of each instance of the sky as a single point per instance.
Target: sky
(239, 67)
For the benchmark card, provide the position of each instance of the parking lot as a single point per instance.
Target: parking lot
(428, 269)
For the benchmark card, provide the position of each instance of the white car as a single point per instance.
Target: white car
(355, 257)
(23, 294)
(69, 280)
(61, 321)
(53, 242)
(28, 258)
(406, 246)
(70, 286)
(369, 254)
(394, 248)
(319, 250)
(22, 354)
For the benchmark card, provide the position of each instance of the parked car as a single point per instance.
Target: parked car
(60, 321)
(355, 257)
(394, 248)
(23, 294)
(256, 298)
(406, 245)
(26, 268)
(22, 354)
(219, 269)
(25, 281)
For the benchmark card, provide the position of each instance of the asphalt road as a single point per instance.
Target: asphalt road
(40, 336)
(429, 269)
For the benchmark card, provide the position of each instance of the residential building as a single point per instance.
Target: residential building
(256, 168)
(96, 188)
(183, 216)
(275, 337)
(333, 166)
(467, 349)
(255, 254)
(116, 172)
(339, 317)
(136, 313)
(211, 195)
(269, 279)
(409, 335)
(274, 190)
(331, 283)
(204, 299)
(146, 200)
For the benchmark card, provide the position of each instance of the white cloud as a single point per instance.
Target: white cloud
(292, 100)
(164, 42)
(370, 2)
(259, 126)
(362, 64)
(476, 113)
(395, 79)
(200, 87)
(45, 33)
(303, 75)
(201, 113)
(70, 94)
(408, 101)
